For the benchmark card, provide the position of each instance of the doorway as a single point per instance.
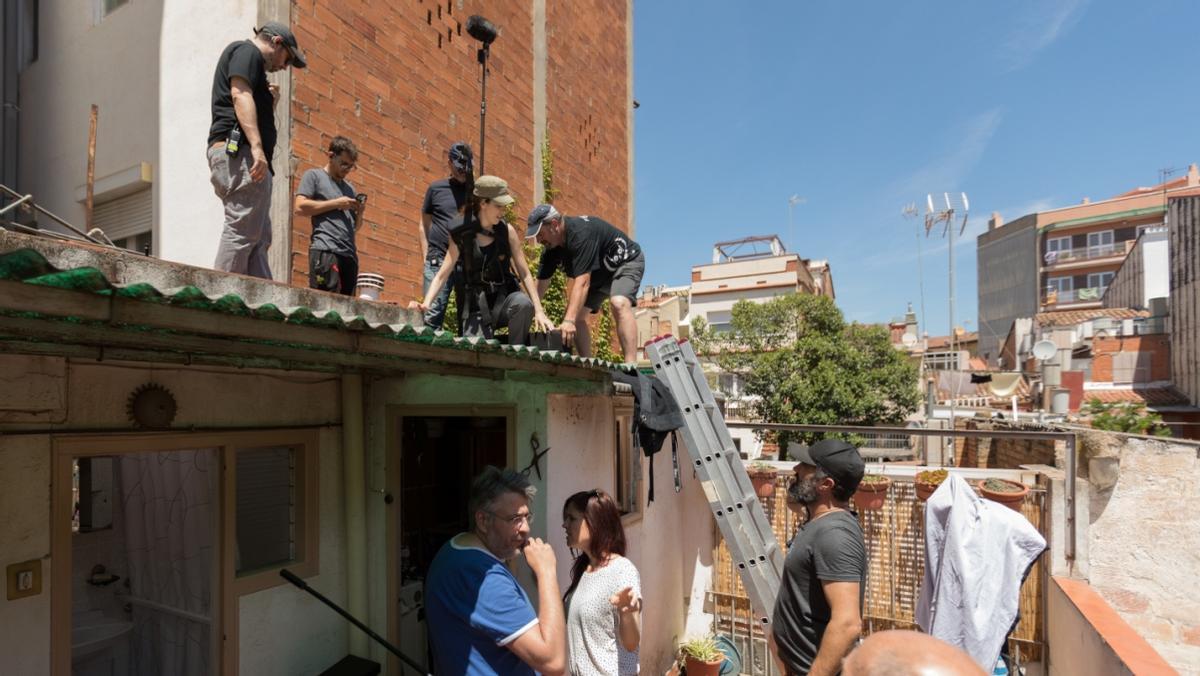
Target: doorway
(439, 453)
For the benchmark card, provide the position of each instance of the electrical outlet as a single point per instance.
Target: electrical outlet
(24, 579)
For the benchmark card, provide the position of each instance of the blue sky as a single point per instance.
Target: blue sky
(863, 107)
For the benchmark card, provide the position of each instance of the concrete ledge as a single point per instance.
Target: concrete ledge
(1086, 636)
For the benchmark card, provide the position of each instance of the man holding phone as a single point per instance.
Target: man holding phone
(336, 211)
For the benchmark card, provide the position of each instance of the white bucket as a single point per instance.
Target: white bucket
(370, 285)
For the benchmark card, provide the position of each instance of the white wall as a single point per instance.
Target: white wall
(278, 626)
(1157, 265)
(189, 213)
(671, 544)
(113, 64)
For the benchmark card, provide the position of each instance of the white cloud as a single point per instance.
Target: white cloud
(948, 171)
(1043, 23)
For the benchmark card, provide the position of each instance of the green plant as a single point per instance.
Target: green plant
(1125, 417)
(872, 479)
(1002, 486)
(932, 477)
(801, 362)
(702, 649)
(760, 466)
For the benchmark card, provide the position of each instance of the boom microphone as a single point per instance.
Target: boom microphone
(481, 29)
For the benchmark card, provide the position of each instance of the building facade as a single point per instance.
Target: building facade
(1061, 259)
(402, 81)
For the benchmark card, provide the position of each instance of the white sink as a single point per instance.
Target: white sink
(95, 635)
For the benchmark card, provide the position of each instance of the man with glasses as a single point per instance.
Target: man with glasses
(481, 621)
(329, 200)
(241, 142)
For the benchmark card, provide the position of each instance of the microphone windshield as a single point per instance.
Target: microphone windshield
(481, 29)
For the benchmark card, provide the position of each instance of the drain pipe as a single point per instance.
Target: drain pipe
(354, 487)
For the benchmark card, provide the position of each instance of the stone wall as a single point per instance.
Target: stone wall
(1143, 537)
(1003, 453)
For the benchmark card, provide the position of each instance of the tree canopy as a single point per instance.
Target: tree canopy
(801, 363)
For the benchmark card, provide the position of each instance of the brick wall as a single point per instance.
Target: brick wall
(1157, 345)
(402, 81)
(1002, 453)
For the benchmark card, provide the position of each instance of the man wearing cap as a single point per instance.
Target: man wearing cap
(602, 262)
(494, 272)
(444, 201)
(818, 613)
(241, 142)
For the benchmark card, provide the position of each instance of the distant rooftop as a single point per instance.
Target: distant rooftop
(747, 248)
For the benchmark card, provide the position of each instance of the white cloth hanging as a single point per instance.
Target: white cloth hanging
(976, 555)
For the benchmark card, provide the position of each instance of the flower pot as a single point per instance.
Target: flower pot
(870, 496)
(925, 490)
(764, 483)
(1011, 499)
(695, 667)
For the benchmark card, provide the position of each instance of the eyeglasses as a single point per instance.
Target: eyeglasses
(515, 519)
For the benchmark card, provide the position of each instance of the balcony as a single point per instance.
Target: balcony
(1059, 299)
(1070, 258)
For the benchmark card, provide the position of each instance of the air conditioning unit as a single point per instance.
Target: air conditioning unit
(1158, 307)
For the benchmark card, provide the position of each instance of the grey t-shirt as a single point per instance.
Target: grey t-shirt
(829, 549)
(333, 231)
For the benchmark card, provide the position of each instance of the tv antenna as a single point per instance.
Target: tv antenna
(910, 212)
(792, 202)
(934, 216)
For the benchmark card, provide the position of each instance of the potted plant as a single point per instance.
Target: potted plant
(871, 492)
(928, 481)
(702, 657)
(762, 475)
(1008, 493)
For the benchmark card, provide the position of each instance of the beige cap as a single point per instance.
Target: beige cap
(493, 188)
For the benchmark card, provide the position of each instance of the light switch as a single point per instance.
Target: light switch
(24, 579)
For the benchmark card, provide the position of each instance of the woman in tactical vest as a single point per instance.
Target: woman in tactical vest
(494, 272)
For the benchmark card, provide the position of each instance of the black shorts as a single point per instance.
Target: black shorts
(331, 272)
(624, 281)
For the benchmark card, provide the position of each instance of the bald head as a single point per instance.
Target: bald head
(908, 653)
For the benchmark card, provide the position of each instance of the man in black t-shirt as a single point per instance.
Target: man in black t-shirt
(444, 201)
(329, 200)
(602, 262)
(818, 613)
(241, 142)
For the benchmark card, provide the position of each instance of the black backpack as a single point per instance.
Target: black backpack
(656, 415)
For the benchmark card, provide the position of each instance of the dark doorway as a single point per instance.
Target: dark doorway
(439, 455)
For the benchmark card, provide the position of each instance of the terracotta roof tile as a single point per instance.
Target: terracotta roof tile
(1157, 396)
(1073, 317)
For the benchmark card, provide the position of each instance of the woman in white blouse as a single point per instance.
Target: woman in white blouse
(604, 604)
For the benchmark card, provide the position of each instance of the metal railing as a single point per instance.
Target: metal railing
(1088, 295)
(1087, 253)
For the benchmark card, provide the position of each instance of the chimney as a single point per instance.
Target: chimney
(1193, 175)
(995, 221)
(1086, 200)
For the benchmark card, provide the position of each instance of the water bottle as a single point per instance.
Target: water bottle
(1001, 667)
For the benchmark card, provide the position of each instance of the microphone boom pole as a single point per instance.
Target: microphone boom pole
(484, 31)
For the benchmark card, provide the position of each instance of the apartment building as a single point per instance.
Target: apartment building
(1063, 258)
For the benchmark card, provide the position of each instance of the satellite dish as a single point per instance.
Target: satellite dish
(1044, 349)
(909, 340)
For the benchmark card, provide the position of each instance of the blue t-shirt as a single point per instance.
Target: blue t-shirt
(475, 608)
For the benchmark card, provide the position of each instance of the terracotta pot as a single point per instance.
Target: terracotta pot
(764, 483)
(870, 496)
(925, 490)
(1011, 500)
(695, 667)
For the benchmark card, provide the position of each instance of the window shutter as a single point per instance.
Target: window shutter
(126, 216)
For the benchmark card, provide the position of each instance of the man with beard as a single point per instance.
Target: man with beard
(481, 621)
(818, 613)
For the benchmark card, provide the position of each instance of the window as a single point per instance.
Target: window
(266, 508)
(128, 221)
(627, 463)
(1056, 248)
(1100, 243)
(105, 7)
(1099, 280)
(730, 384)
(1060, 284)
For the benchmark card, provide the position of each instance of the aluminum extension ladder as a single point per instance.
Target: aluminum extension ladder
(715, 459)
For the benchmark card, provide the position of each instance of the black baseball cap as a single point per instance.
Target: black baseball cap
(540, 214)
(461, 156)
(289, 41)
(840, 460)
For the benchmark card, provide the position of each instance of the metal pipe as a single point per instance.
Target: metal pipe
(354, 479)
(15, 204)
(1069, 545)
(33, 205)
(912, 431)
